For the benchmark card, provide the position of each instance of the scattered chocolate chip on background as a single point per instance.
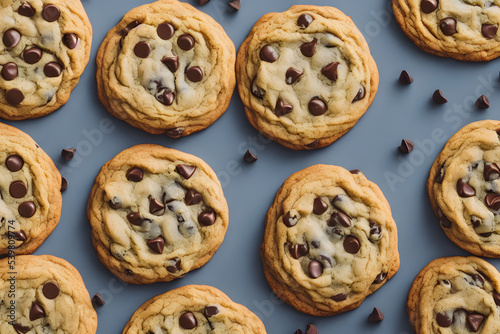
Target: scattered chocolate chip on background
(405, 78)
(236, 4)
(376, 315)
(483, 102)
(438, 97)
(68, 153)
(97, 300)
(249, 157)
(406, 146)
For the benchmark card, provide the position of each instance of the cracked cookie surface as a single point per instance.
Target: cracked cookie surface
(166, 68)
(156, 214)
(461, 29)
(197, 308)
(305, 76)
(464, 188)
(330, 240)
(45, 48)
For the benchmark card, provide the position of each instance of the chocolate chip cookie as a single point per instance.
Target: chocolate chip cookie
(30, 193)
(156, 214)
(44, 294)
(455, 295)
(330, 240)
(305, 76)
(464, 188)
(464, 30)
(195, 308)
(166, 68)
(45, 48)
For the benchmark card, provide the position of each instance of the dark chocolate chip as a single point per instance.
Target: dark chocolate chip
(492, 201)
(282, 108)
(51, 13)
(26, 10)
(340, 297)
(175, 132)
(142, 50)
(439, 176)
(14, 96)
(351, 244)
(483, 102)
(11, 38)
(52, 69)
(474, 321)
(115, 203)
(354, 171)
(446, 222)
(374, 229)
(172, 63)
(438, 97)
(17, 189)
(135, 174)
(70, 40)
(32, 55)
(292, 75)
(360, 95)
(330, 71)
(165, 30)
(406, 146)
(203, 2)
(185, 42)
(249, 157)
(315, 269)
(27, 209)
(311, 329)
(124, 32)
(376, 315)
(464, 190)
(308, 49)
(317, 107)
(489, 30)
(186, 171)
(156, 245)
(319, 206)
(155, 206)
(50, 290)
(176, 267)
(290, 220)
(129, 272)
(68, 153)
(193, 197)
(194, 74)
(268, 54)
(297, 251)
(18, 235)
(188, 320)
(491, 172)
(210, 311)
(486, 235)
(9, 71)
(405, 78)
(304, 20)
(36, 312)
(135, 218)
(206, 218)
(97, 300)
(444, 320)
(428, 6)
(14, 163)
(315, 244)
(257, 91)
(314, 144)
(236, 4)
(448, 26)
(339, 218)
(496, 298)
(20, 328)
(380, 278)
(167, 98)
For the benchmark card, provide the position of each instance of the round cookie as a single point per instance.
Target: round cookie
(196, 308)
(30, 193)
(330, 240)
(44, 50)
(464, 30)
(455, 295)
(156, 214)
(305, 76)
(45, 295)
(464, 188)
(166, 68)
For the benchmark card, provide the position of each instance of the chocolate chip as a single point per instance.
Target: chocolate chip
(17, 189)
(375, 229)
(186, 171)
(496, 298)
(464, 190)
(297, 251)
(315, 269)
(167, 98)
(446, 222)
(428, 6)
(444, 320)
(440, 175)
(406, 146)
(489, 30)
(236, 4)
(340, 297)
(135, 174)
(290, 220)
(491, 172)
(206, 218)
(155, 206)
(185, 42)
(492, 201)
(354, 171)
(32, 55)
(268, 54)
(330, 71)
(448, 26)
(249, 157)
(11, 38)
(129, 272)
(175, 132)
(474, 321)
(308, 49)
(14, 96)
(115, 203)
(257, 91)
(27, 209)
(124, 32)
(282, 108)
(194, 74)
(135, 218)
(351, 244)
(339, 218)
(26, 10)
(380, 278)
(70, 40)
(314, 144)
(68, 153)
(292, 75)
(51, 13)
(142, 50)
(438, 97)
(376, 315)
(486, 235)
(210, 311)
(165, 30)
(193, 197)
(50, 290)
(14, 163)
(315, 244)
(36, 312)
(319, 206)
(156, 245)
(360, 95)
(405, 78)
(304, 20)
(311, 329)
(52, 69)
(20, 328)
(483, 102)
(176, 267)
(188, 320)
(18, 235)
(97, 300)
(317, 107)
(9, 71)
(203, 2)
(172, 63)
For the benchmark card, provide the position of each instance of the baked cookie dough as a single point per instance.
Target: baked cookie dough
(30, 193)
(45, 48)
(193, 308)
(166, 68)
(330, 240)
(464, 188)
(305, 76)
(156, 214)
(464, 30)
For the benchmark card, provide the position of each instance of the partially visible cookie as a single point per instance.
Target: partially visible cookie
(330, 240)
(44, 294)
(166, 68)
(464, 188)
(464, 30)
(30, 193)
(194, 308)
(455, 295)
(45, 48)
(156, 214)
(305, 76)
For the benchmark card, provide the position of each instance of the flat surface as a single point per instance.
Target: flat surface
(371, 146)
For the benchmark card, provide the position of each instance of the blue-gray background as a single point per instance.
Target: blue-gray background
(397, 112)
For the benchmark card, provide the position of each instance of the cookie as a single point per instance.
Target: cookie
(196, 308)
(455, 295)
(305, 76)
(464, 188)
(166, 68)
(464, 30)
(156, 214)
(44, 294)
(330, 240)
(30, 193)
(45, 48)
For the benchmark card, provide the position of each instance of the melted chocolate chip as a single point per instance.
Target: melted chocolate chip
(14, 163)
(188, 320)
(210, 311)
(314, 144)
(172, 63)
(206, 218)
(142, 50)
(483, 102)
(186, 171)
(176, 267)
(115, 203)
(167, 98)
(319, 206)
(448, 26)
(304, 20)
(438, 97)
(308, 49)
(18, 235)
(406, 146)
(376, 315)
(351, 244)
(26, 10)
(268, 54)
(489, 30)
(282, 108)
(496, 298)
(380, 278)
(11, 38)
(340, 297)
(194, 74)
(20, 328)
(50, 290)
(185, 42)
(155, 206)
(156, 245)
(17, 189)
(290, 220)
(135, 218)
(175, 132)
(249, 157)
(297, 251)
(439, 176)
(464, 189)
(32, 55)
(165, 30)
(70, 40)
(445, 222)
(405, 78)
(9, 71)
(428, 6)
(135, 174)
(360, 95)
(52, 69)
(330, 71)
(339, 218)
(124, 32)
(27, 209)
(354, 171)
(51, 13)
(474, 321)
(491, 172)
(193, 197)
(317, 107)
(14, 96)
(292, 75)
(315, 269)
(36, 312)
(444, 320)
(492, 201)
